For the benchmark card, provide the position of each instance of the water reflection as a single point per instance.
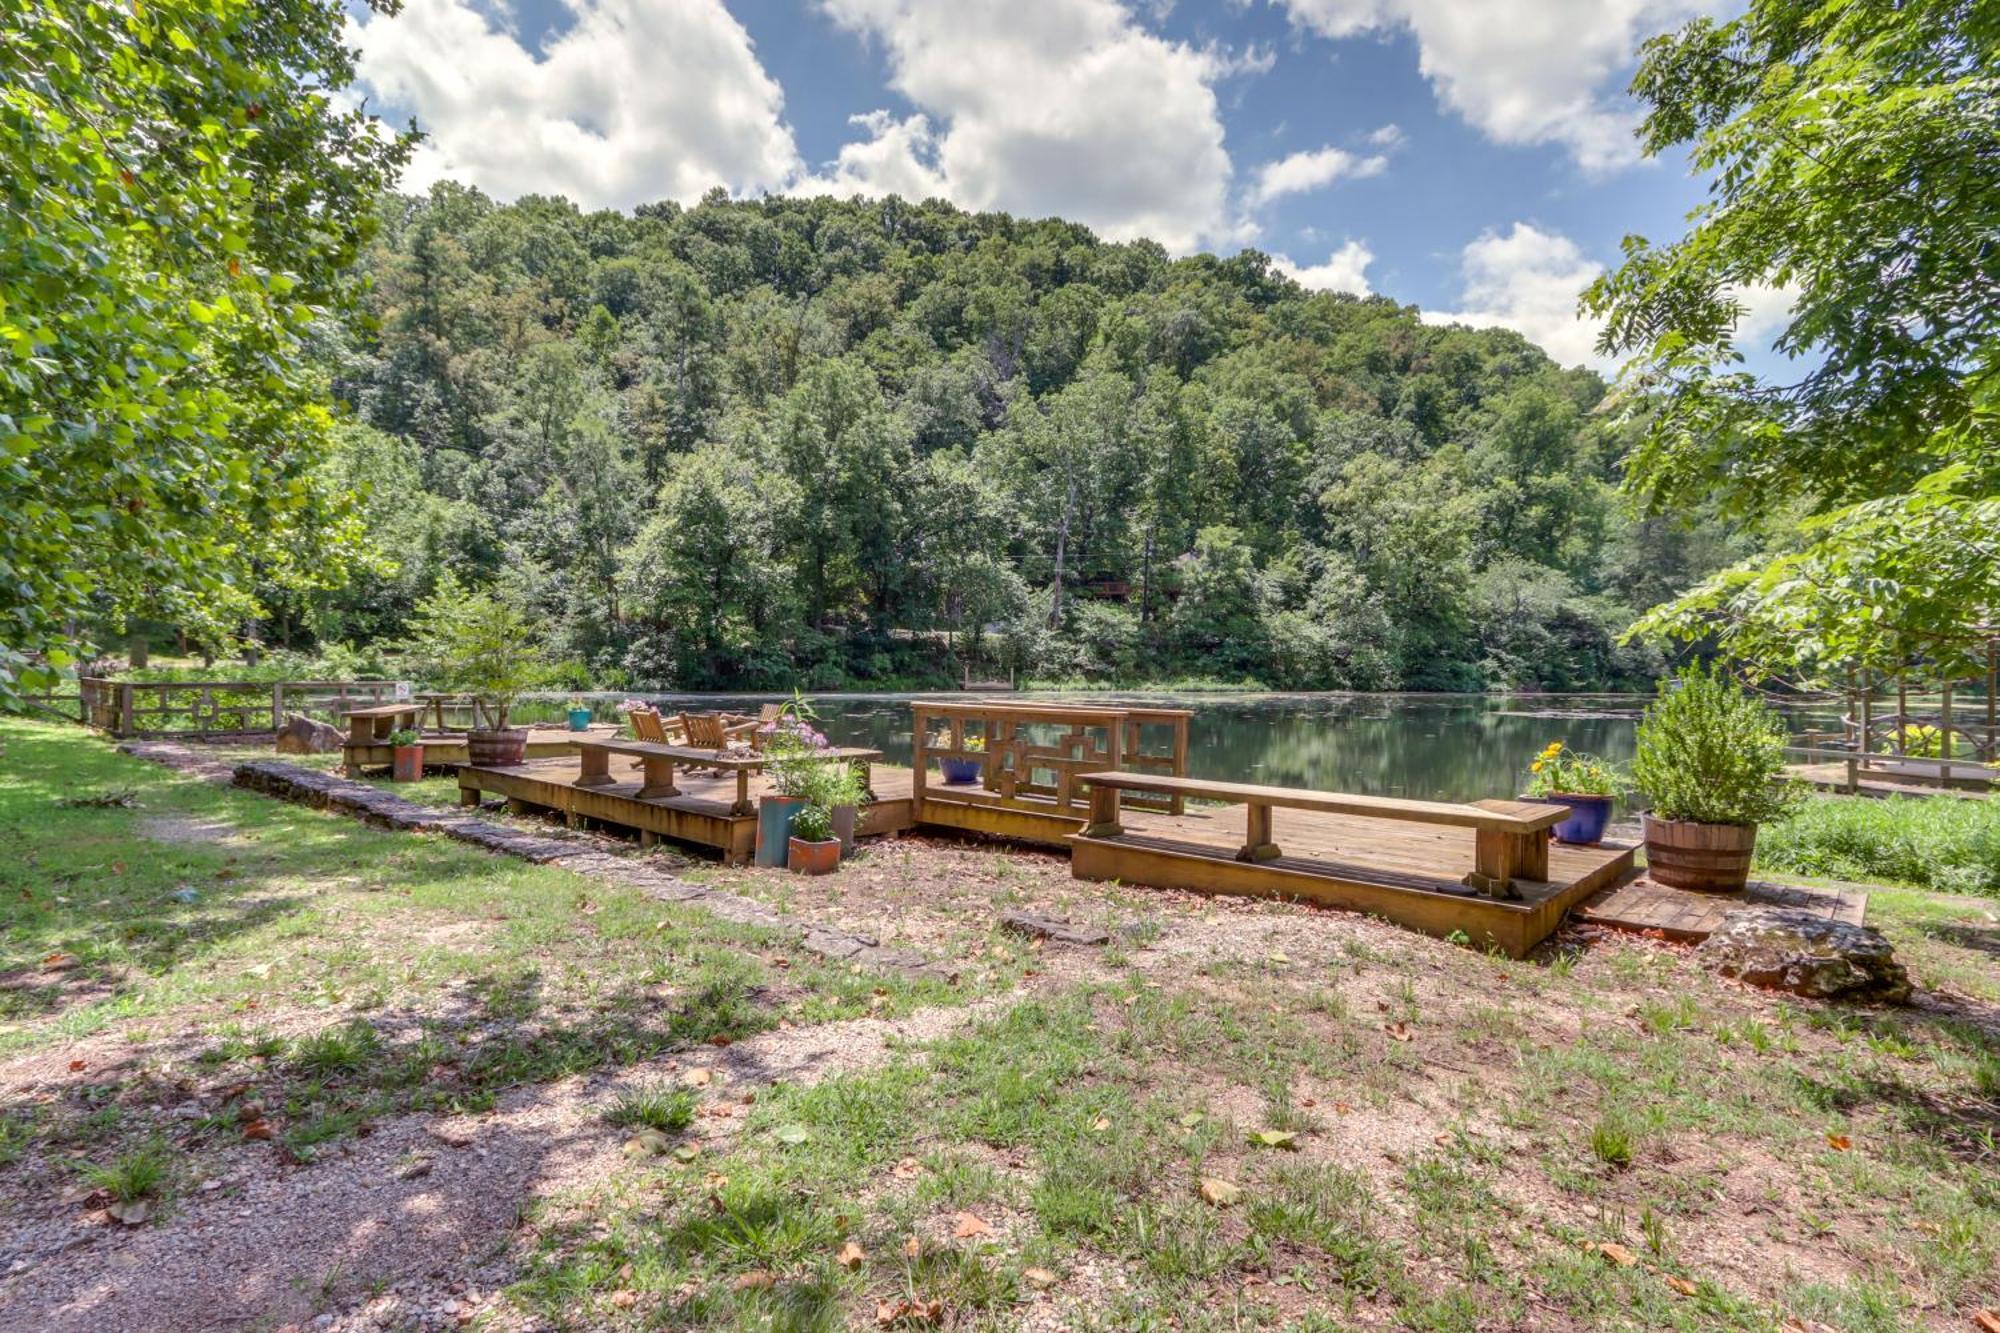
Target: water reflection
(1450, 747)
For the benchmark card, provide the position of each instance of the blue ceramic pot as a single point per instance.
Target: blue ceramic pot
(1587, 818)
(774, 828)
(579, 719)
(958, 772)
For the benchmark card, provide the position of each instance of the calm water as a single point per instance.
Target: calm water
(1438, 747)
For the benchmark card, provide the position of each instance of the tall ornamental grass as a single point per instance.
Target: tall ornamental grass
(1930, 842)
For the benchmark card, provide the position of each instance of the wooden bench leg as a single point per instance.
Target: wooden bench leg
(1257, 844)
(658, 780)
(596, 768)
(1498, 859)
(1103, 814)
(468, 796)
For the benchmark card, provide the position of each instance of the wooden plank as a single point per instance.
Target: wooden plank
(1510, 816)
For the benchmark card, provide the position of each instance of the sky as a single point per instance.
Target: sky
(1473, 157)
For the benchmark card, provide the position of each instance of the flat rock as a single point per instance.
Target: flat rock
(1783, 948)
(1053, 928)
(306, 735)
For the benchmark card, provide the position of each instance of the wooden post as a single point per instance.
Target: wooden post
(1944, 736)
(1103, 813)
(1179, 805)
(467, 795)
(278, 706)
(122, 720)
(1902, 715)
(596, 767)
(1867, 729)
(1257, 841)
(919, 760)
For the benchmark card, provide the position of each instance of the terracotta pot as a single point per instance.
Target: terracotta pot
(1709, 858)
(813, 858)
(408, 765)
(843, 827)
(496, 749)
(774, 826)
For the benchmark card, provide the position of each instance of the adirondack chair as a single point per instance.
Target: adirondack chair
(753, 726)
(713, 731)
(648, 725)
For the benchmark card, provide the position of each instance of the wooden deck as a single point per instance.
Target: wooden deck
(1406, 873)
(1909, 777)
(1641, 905)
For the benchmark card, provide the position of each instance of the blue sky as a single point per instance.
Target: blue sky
(1471, 156)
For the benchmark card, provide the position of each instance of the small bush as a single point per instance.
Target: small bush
(668, 1110)
(139, 1174)
(1929, 842)
(1611, 1143)
(1711, 752)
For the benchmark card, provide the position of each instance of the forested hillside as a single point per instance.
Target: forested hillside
(835, 443)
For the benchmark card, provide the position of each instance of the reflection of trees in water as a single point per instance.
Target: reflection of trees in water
(1452, 748)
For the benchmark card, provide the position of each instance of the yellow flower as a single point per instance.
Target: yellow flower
(1535, 767)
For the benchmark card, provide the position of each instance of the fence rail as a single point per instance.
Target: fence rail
(126, 708)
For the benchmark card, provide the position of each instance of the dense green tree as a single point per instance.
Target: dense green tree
(183, 202)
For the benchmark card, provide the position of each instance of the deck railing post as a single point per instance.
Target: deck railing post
(121, 721)
(278, 705)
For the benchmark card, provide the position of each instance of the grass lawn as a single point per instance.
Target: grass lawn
(321, 1070)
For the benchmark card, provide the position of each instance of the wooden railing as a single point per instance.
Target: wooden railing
(1030, 755)
(216, 707)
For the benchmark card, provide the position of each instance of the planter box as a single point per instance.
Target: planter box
(1708, 858)
(813, 858)
(407, 763)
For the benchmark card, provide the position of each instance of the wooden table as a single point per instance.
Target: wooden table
(658, 764)
(371, 726)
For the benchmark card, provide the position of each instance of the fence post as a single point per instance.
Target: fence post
(121, 720)
(278, 705)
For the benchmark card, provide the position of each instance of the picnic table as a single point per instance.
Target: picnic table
(372, 725)
(657, 767)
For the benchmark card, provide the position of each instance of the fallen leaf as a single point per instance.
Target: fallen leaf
(1190, 1120)
(791, 1134)
(1281, 958)
(913, 1247)
(1986, 1321)
(1397, 1031)
(967, 1225)
(1617, 1254)
(1682, 1285)
(906, 1169)
(257, 1129)
(1275, 1138)
(1839, 1142)
(1040, 1277)
(696, 1078)
(1342, 1108)
(78, 1066)
(646, 1143)
(720, 1040)
(851, 1256)
(624, 1300)
(687, 1152)
(1099, 1125)
(754, 1280)
(1220, 1192)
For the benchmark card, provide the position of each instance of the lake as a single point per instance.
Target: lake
(1449, 747)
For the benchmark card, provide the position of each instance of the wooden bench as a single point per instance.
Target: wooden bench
(371, 726)
(1510, 838)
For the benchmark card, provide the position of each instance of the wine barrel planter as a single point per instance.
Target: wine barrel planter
(1708, 858)
(496, 749)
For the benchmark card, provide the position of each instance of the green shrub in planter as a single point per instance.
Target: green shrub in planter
(1712, 753)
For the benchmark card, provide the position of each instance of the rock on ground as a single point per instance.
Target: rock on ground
(1783, 948)
(306, 735)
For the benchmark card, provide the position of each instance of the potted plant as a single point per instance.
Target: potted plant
(1711, 757)
(407, 753)
(579, 715)
(480, 644)
(1584, 783)
(793, 747)
(812, 849)
(958, 772)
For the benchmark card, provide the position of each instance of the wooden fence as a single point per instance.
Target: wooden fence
(213, 707)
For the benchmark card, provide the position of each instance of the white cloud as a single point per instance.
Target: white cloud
(637, 100)
(897, 157)
(1522, 71)
(1345, 270)
(1303, 172)
(1528, 280)
(1047, 107)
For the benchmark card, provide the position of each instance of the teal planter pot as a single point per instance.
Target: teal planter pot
(774, 828)
(579, 719)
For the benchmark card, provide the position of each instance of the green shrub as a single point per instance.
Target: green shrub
(1930, 842)
(1711, 752)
